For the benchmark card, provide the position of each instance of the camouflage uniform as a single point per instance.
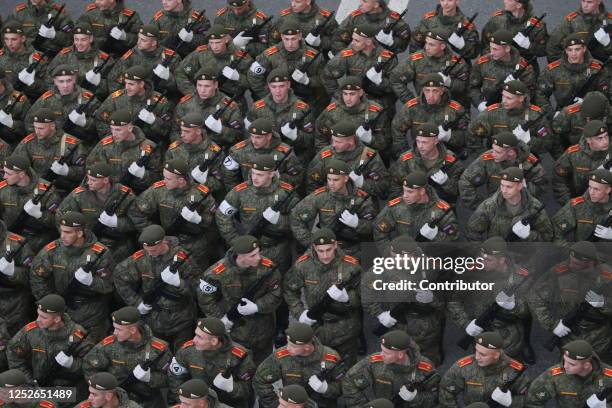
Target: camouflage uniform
(169, 23)
(122, 397)
(18, 105)
(14, 62)
(234, 24)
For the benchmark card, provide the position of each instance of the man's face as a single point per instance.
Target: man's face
(494, 263)
(155, 250)
(105, 4)
(499, 51)
(65, 84)
(368, 5)
(485, 357)
(170, 5)
(121, 133)
(241, 10)
(193, 403)
(12, 176)
(206, 88)
(191, 135)
(98, 398)
(46, 320)
(413, 195)
(284, 404)
(261, 178)
(204, 341)
(511, 5)
(391, 356)
(279, 90)
(14, 42)
(449, 5)
(500, 154)
(326, 253)
(577, 264)
(97, 183)
(590, 6)
(145, 43)
(510, 189)
(426, 145)
(261, 141)
(599, 143)
(123, 332)
(343, 144)
(359, 43)
(512, 101)
(336, 182)
(599, 193)
(218, 46)
(70, 235)
(433, 94)
(434, 48)
(83, 42)
(299, 350)
(250, 259)
(352, 98)
(291, 42)
(134, 87)
(575, 53)
(173, 181)
(298, 6)
(38, 3)
(576, 367)
(44, 130)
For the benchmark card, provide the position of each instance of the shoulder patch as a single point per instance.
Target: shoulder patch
(429, 15)
(127, 54)
(350, 259)
(346, 53)
(465, 361)
(138, 254)
(450, 158)
(30, 326)
(356, 13)
(596, 65)
(534, 21)
(156, 344)
(573, 149)
(455, 105)
(260, 14)
(326, 12)
(395, 15)
(571, 16)
(20, 7)
(159, 184)
(574, 108)
(174, 145)
(282, 148)
(267, 262)
(301, 105)
(187, 344)
(425, 366)
(15, 237)
(117, 93)
(71, 140)
(46, 404)
(407, 156)
(412, 102)
(375, 358)
(395, 201)
(517, 365)
(260, 104)
(577, 200)
(158, 15)
(219, 268)
(535, 108)
(483, 60)
(46, 95)
(417, 56)
(85, 404)
(532, 158)
(494, 107)
(607, 372)
(203, 188)
(271, 50)
(50, 246)
(28, 138)
(108, 340)
(238, 352)
(387, 54)
(326, 153)
(302, 258)
(64, 51)
(443, 205)
(127, 11)
(221, 11)
(241, 186)
(285, 12)
(107, 140)
(331, 358)
(202, 48)
(282, 353)
(319, 190)
(286, 186)
(498, 13)
(3, 184)
(556, 371)
(561, 268)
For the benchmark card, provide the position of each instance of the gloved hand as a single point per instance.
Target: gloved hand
(339, 295)
(406, 394)
(447, 79)
(108, 220)
(364, 135)
(142, 375)
(439, 177)
(46, 32)
(86, 278)
(577, 100)
(248, 309)
(456, 41)
(384, 38)
(77, 118)
(522, 135)
(225, 384)
(144, 309)
(522, 41)
(7, 268)
(230, 73)
(349, 219)
(64, 360)
(374, 76)
(271, 216)
(300, 77)
(504, 301)
(429, 232)
(521, 230)
(186, 36)
(6, 119)
(357, 179)
(386, 319)
(473, 329)
(146, 116)
(602, 36)
(444, 135)
(424, 296)
(27, 77)
(191, 216)
(230, 164)
(33, 210)
(502, 398)
(61, 169)
(247, 123)
(257, 68)
(603, 232)
(227, 323)
(482, 106)
(594, 402)
(595, 299)
(509, 78)
(171, 278)
(241, 40)
(561, 330)
(214, 124)
(118, 34)
(93, 78)
(288, 132)
(136, 170)
(198, 175)
(305, 319)
(313, 40)
(317, 385)
(162, 72)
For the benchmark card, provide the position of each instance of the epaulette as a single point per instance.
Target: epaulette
(159, 97)
(87, 94)
(494, 106)
(260, 14)
(159, 184)
(356, 13)
(169, 52)
(320, 190)
(79, 333)
(562, 268)
(326, 12)
(221, 11)
(607, 372)
(267, 262)
(282, 353)
(302, 258)
(498, 12)
(30, 326)
(37, 56)
(483, 60)
(310, 53)
(596, 65)
(465, 361)
(138, 254)
(108, 340)
(107, 140)
(395, 15)
(535, 108)
(574, 108)
(125, 189)
(174, 145)
(260, 104)
(577, 200)
(522, 271)
(240, 145)
(286, 186)
(282, 148)
(20, 7)
(362, 193)
(395, 201)
(90, 6)
(46, 404)
(3, 184)
(326, 153)
(301, 105)
(203, 188)
(412, 102)
(532, 158)
(51, 246)
(443, 205)
(15, 237)
(241, 186)
(156, 344)
(219, 268)
(85, 404)
(238, 352)
(46, 95)
(240, 53)
(450, 158)
(429, 14)
(228, 101)
(285, 12)
(417, 56)
(571, 16)
(523, 62)
(534, 21)
(456, 58)
(158, 15)
(455, 105)
(387, 54)
(127, 11)
(28, 138)
(375, 108)
(196, 15)
(376, 358)
(553, 65)
(350, 259)
(186, 344)
(517, 365)
(346, 53)
(407, 156)
(556, 371)
(370, 152)
(202, 47)
(42, 186)
(272, 50)
(71, 140)
(425, 366)
(332, 358)
(331, 106)
(466, 23)
(117, 93)
(127, 54)
(573, 149)
(65, 51)
(98, 248)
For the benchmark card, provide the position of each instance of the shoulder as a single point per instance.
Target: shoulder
(350, 259)
(573, 149)
(346, 53)
(138, 254)
(271, 51)
(375, 358)
(553, 65)
(483, 60)
(577, 200)
(158, 15)
(107, 340)
(90, 7)
(159, 344)
(282, 353)
(30, 326)
(394, 202)
(241, 186)
(50, 246)
(429, 15)
(412, 102)
(417, 56)
(571, 16)
(20, 7)
(466, 361)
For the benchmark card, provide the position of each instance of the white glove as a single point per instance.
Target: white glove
(602, 36)
(7, 268)
(271, 216)
(171, 278)
(386, 319)
(504, 301)
(577, 100)
(136, 170)
(231, 164)
(313, 40)
(406, 394)
(144, 309)
(594, 402)
(225, 384)
(247, 123)
(227, 323)
(146, 116)
(108, 220)
(59, 168)
(456, 41)
(521, 230)
(596, 300)
(428, 232)
(248, 309)
(439, 177)
(32, 209)
(230, 73)
(357, 179)
(473, 329)
(447, 79)
(257, 68)
(6, 119)
(424, 296)
(118, 34)
(603, 232)
(300, 77)
(522, 135)
(162, 72)
(317, 385)
(364, 135)
(86, 278)
(482, 106)
(46, 32)
(214, 124)
(92, 77)
(27, 77)
(444, 135)
(77, 118)
(384, 38)
(241, 41)
(561, 330)
(338, 295)
(522, 41)
(509, 78)
(288, 132)
(142, 375)
(191, 216)
(64, 360)
(349, 219)
(305, 319)
(198, 175)
(502, 398)
(186, 36)
(374, 76)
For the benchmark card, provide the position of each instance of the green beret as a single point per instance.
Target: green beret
(212, 326)
(73, 219)
(12, 27)
(574, 39)
(12, 378)
(136, 73)
(261, 126)
(501, 37)
(152, 235)
(290, 27)
(44, 115)
(63, 69)
(193, 389)
(494, 246)
(512, 174)
(365, 30)
(344, 128)
(437, 34)
(245, 244)
(192, 120)
(379, 403)
(52, 304)
(82, 27)
(120, 118)
(350, 83)
(99, 170)
(516, 88)
(490, 340)
(601, 176)
(427, 130)
(207, 73)
(126, 316)
(216, 32)
(278, 75)
(505, 139)
(405, 244)
(416, 179)
(594, 105)
(335, 166)
(578, 350)
(294, 394)
(584, 251)
(177, 166)
(236, 3)
(103, 381)
(264, 162)
(478, 405)
(17, 162)
(323, 236)
(149, 30)
(594, 128)
(299, 333)
(396, 340)
(434, 79)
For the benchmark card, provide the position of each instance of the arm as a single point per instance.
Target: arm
(268, 372)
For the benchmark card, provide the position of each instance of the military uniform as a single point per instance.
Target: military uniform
(195, 390)
(235, 24)
(107, 382)
(17, 105)
(169, 23)
(16, 379)
(13, 62)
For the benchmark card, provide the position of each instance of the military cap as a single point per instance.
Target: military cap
(216, 32)
(103, 381)
(245, 244)
(516, 88)
(578, 350)
(574, 39)
(601, 176)
(512, 174)
(501, 37)
(478, 405)
(490, 340)
(335, 166)
(73, 219)
(126, 316)
(416, 179)
(350, 83)
(149, 30)
(594, 128)
(299, 333)
(294, 394)
(437, 34)
(193, 389)
(44, 115)
(12, 378)
(121, 118)
(494, 246)
(433, 79)
(290, 27)
(323, 236)
(12, 27)
(396, 340)
(523, 2)
(405, 244)
(177, 166)
(365, 30)
(63, 69)
(192, 120)
(345, 128)
(379, 403)
(207, 73)
(152, 235)
(427, 130)
(17, 162)
(212, 326)
(261, 126)
(82, 27)
(505, 139)
(584, 251)
(278, 75)
(264, 162)
(594, 105)
(136, 73)
(52, 304)
(236, 3)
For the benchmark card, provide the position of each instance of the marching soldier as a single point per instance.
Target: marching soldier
(195, 393)
(14, 106)
(104, 391)
(239, 17)
(15, 379)
(295, 396)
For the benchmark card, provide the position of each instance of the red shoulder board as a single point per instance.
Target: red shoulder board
(107, 140)
(407, 156)
(108, 340)
(28, 138)
(443, 205)
(302, 258)
(228, 101)
(46, 95)
(214, 147)
(127, 11)
(221, 11)
(219, 268)
(387, 54)
(522, 272)
(535, 108)
(556, 371)
(20, 7)
(15, 237)
(468, 25)
(350, 259)
(286, 186)
(331, 357)
(571, 16)
(331, 106)
(42, 186)
(169, 52)
(523, 62)
(186, 344)
(301, 105)
(412, 102)
(395, 15)
(138, 254)
(429, 14)
(310, 53)
(517, 365)
(376, 358)
(573, 149)
(85, 404)
(71, 140)
(493, 107)
(417, 56)
(267, 262)
(240, 53)
(202, 47)
(374, 108)
(261, 14)
(30, 326)
(320, 190)
(465, 361)
(158, 15)
(46, 404)
(97, 248)
(37, 56)
(395, 201)
(196, 15)
(577, 200)
(608, 372)
(346, 53)
(90, 6)
(271, 50)
(282, 148)
(51, 246)
(534, 21)
(561, 268)
(498, 13)
(533, 159)
(127, 54)
(203, 188)
(326, 12)
(87, 94)
(159, 184)
(449, 158)
(79, 333)
(125, 189)
(65, 51)
(156, 344)
(362, 193)
(117, 93)
(424, 366)
(285, 12)
(241, 186)
(574, 108)
(260, 104)
(240, 144)
(282, 353)
(3, 184)
(356, 13)
(482, 60)
(185, 98)
(596, 65)
(326, 153)
(454, 105)
(238, 352)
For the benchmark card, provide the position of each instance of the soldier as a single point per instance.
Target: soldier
(587, 217)
(434, 104)
(573, 168)
(136, 358)
(398, 372)
(324, 275)
(195, 393)
(347, 147)
(435, 57)
(295, 396)
(418, 213)
(487, 376)
(377, 15)
(79, 268)
(242, 16)
(432, 157)
(213, 357)
(104, 392)
(224, 288)
(511, 213)
(578, 380)
(14, 106)
(16, 379)
(122, 151)
(304, 361)
(447, 19)
(505, 152)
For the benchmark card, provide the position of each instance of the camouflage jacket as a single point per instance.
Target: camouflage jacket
(17, 104)
(32, 17)
(568, 123)
(122, 396)
(14, 62)
(234, 24)
(169, 23)
(577, 219)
